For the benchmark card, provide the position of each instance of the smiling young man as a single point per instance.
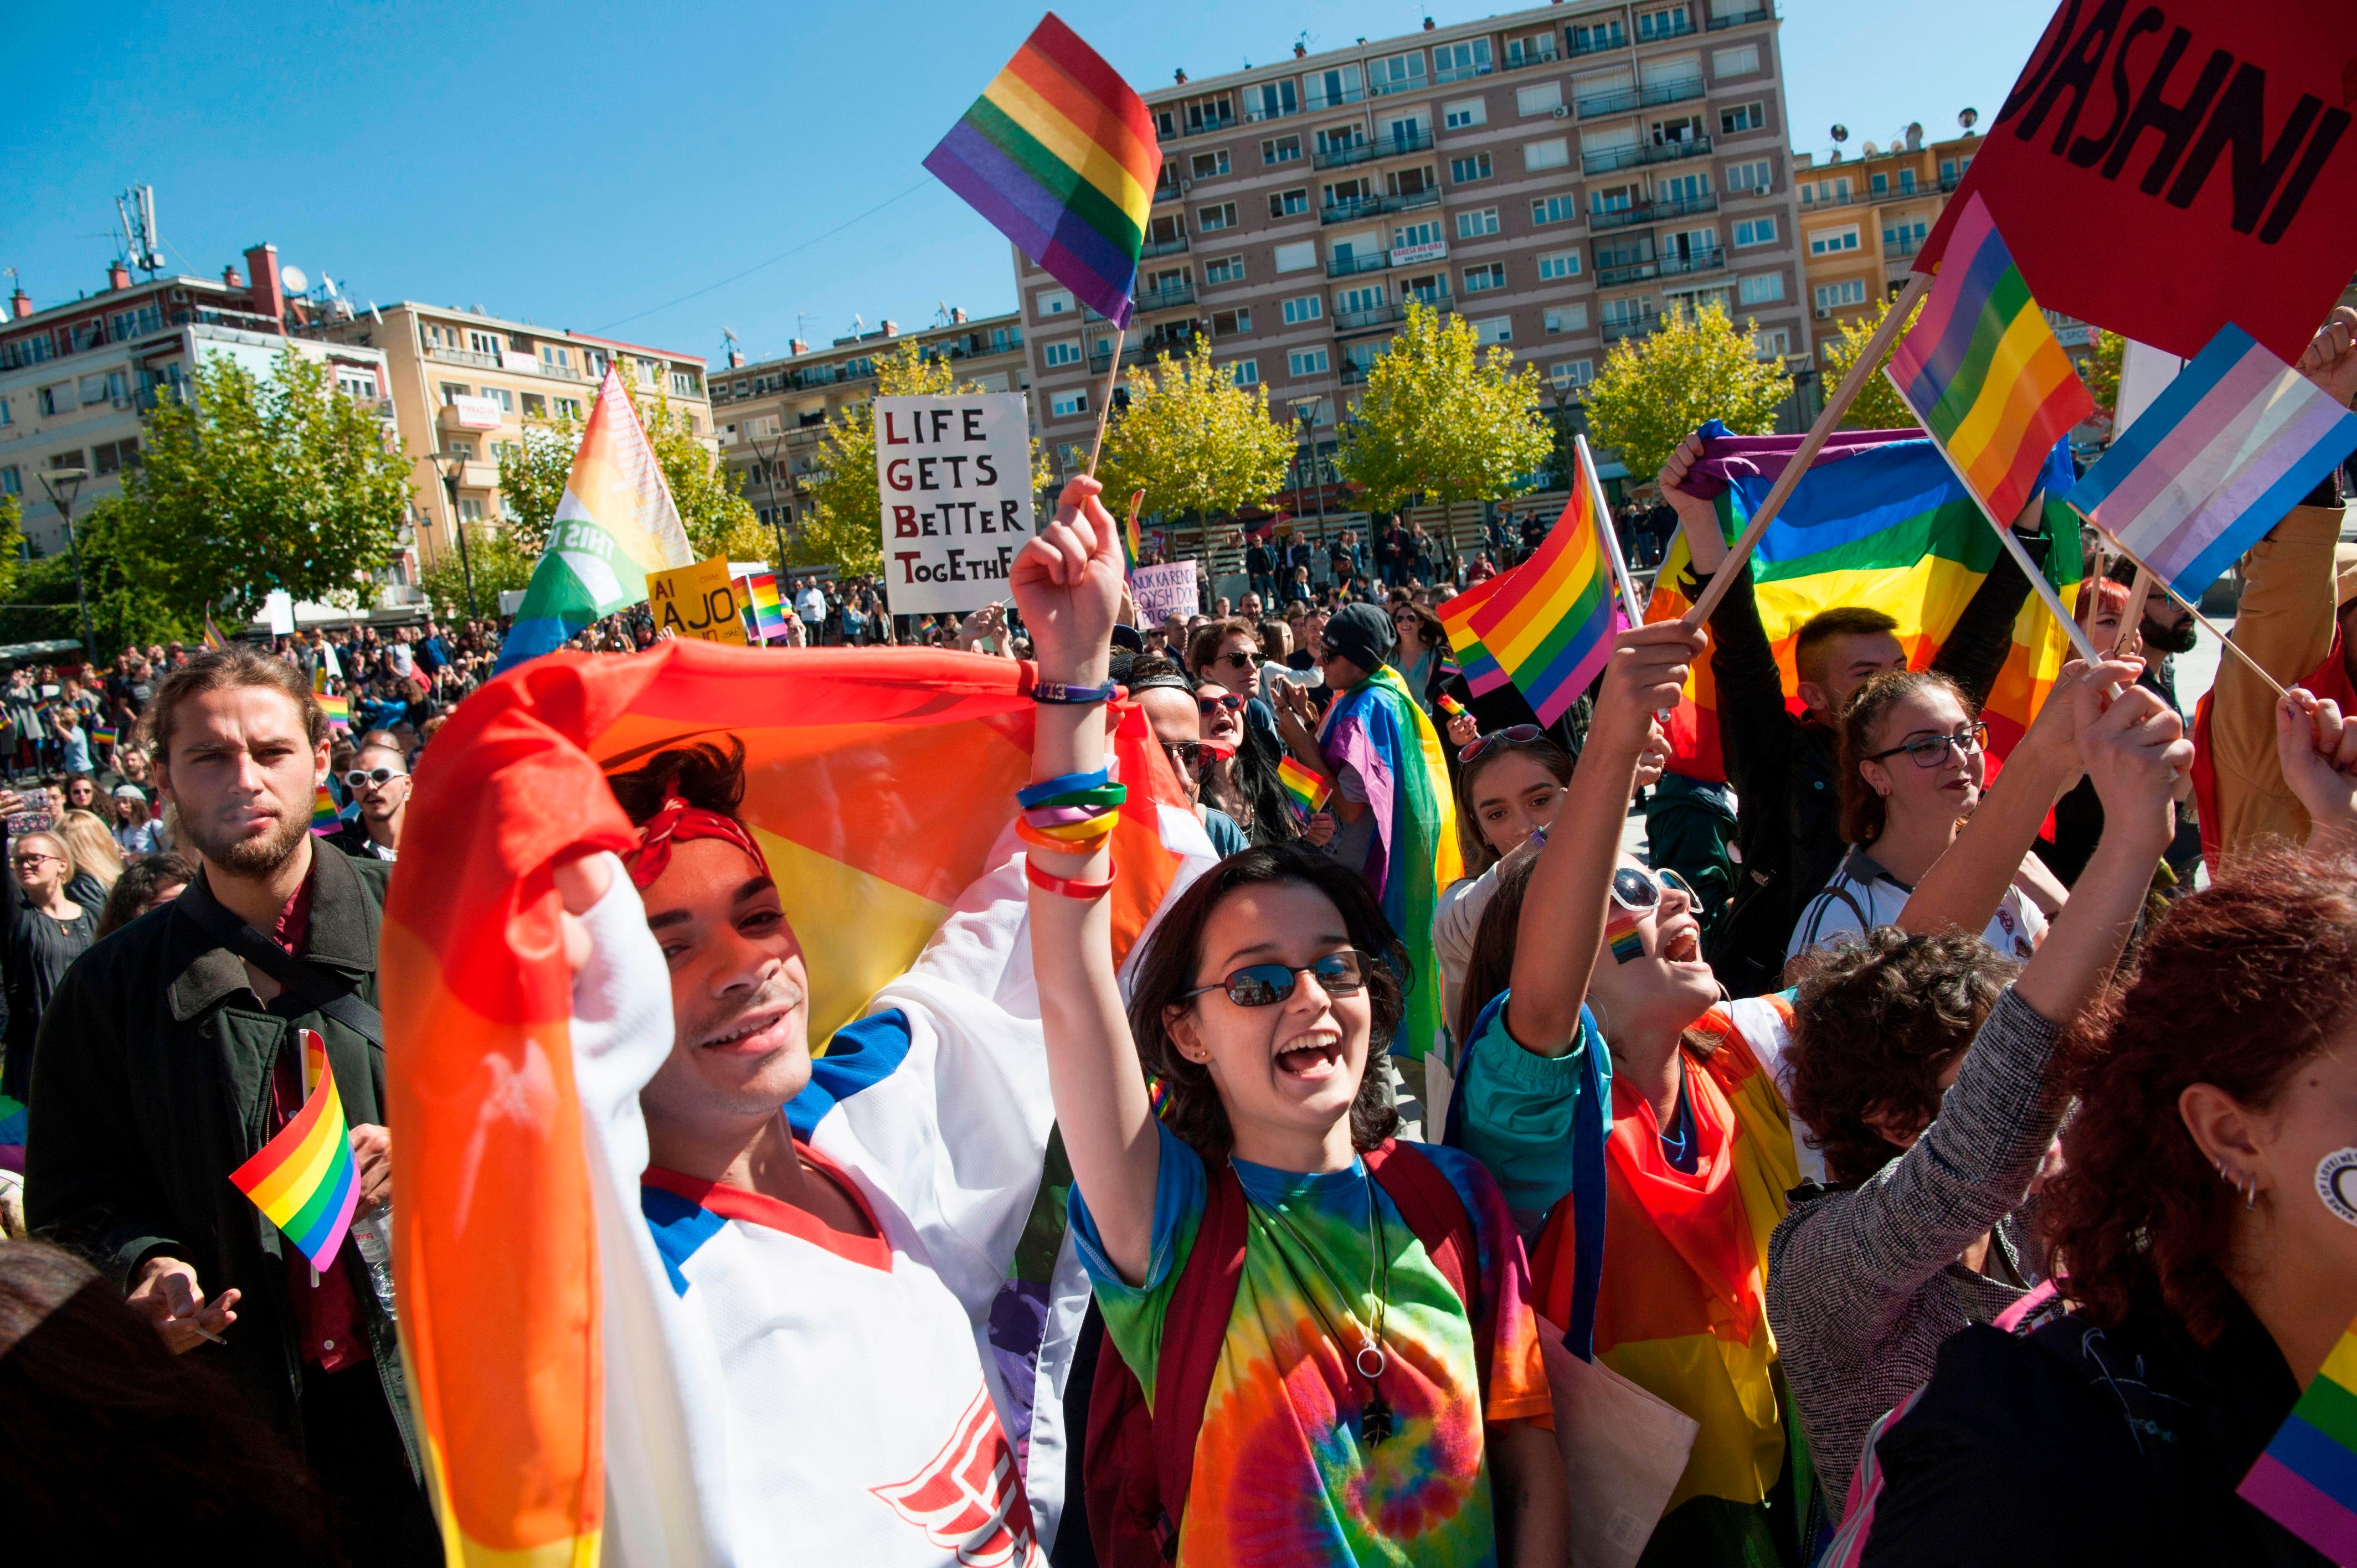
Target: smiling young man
(172, 1051)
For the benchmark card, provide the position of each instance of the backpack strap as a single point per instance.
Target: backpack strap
(1194, 1328)
(1429, 1201)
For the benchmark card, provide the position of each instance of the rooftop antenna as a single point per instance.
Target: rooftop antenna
(144, 247)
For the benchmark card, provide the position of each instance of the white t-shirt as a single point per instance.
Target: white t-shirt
(812, 605)
(1861, 895)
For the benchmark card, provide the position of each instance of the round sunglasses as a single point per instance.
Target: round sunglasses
(1266, 984)
(362, 778)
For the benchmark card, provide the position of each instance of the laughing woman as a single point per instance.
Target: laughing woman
(1360, 1409)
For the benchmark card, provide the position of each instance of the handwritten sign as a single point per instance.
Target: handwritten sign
(700, 601)
(954, 479)
(1163, 590)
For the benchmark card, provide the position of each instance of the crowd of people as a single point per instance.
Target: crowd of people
(1945, 1156)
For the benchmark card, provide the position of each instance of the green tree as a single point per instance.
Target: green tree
(127, 584)
(1651, 394)
(249, 484)
(1877, 405)
(501, 562)
(535, 471)
(2101, 372)
(1445, 419)
(844, 526)
(1193, 440)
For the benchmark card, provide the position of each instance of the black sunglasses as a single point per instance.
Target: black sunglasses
(1932, 750)
(1241, 658)
(1512, 734)
(1267, 984)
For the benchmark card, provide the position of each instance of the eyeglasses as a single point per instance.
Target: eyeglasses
(1226, 702)
(1267, 984)
(362, 778)
(1932, 750)
(1512, 734)
(26, 862)
(1183, 753)
(1636, 889)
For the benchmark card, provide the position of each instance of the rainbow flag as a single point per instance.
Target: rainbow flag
(1306, 788)
(1882, 520)
(338, 711)
(1482, 670)
(213, 637)
(303, 1180)
(1981, 370)
(616, 523)
(326, 816)
(2216, 460)
(1550, 627)
(2307, 1479)
(766, 609)
(102, 738)
(12, 1134)
(495, 1235)
(1129, 531)
(1060, 155)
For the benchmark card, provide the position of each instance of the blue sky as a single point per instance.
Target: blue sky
(591, 167)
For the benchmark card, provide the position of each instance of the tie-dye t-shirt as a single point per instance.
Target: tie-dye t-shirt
(1281, 1477)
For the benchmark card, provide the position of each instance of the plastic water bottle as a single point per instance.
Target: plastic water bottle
(373, 1236)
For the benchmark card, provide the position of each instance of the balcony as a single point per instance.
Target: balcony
(1636, 270)
(1394, 146)
(1678, 91)
(1367, 320)
(1100, 360)
(1620, 100)
(1164, 190)
(1643, 325)
(1543, 53)
(1372, 205)
(1166, 297)
(462, 357)
(1643, 152)
(1950, 181)
(1318, 106)
(1595, 43)
(1904, 246)
(1385, 89)
(1709, 261)
(1152, 248)
(1741, 18)
(1685, 206)
(1352, 372)
(1662, 32)
(1204, 127)
(1352, 266)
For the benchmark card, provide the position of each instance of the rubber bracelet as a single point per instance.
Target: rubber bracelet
(1087, 827)
(1067, 887)
(1104, 797)
(1063, 696)
(1038, 840)
(1064, 816)
(1039, 794)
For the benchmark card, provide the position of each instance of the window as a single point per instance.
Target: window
(58, 398)
(107, 386)
(1210, 165)
(1063, 351)
(1559, 264)
(1227, 323)
(1553, 153)
(1366, 296)
(1762, 289)
(1462, 115)
(11, 482)
(1308, 307)
(1398, 73)
(7, 418)
(1755, 232)
(1474, 225)
(1668, 22)
(1342, 138)
(1555, 210)
(1286, 203)
(1271, 101)
(1465, 171)
(113, 457)
(1244, 372)
(536, 406)
(470, 508)
(1327, 88)
(125, 324)
(1907, 181)
(451, 392)
(464, 446)
(1054, 302)
(1223, 216)
(1774, 343)
(683, 384)
(1742, 117)
(1740, 61)
(1878, 182)
(555, 357)
(568, 408)
(1065, 404)
(1849, 291)
(1539, 98)
(1566, 319)
(1752, 178)
(1572, 372)
(1459, 62)
(1225, 269)
(1494, 330)
(1832, 241)
(1408, 234)
(1481, 279)
(1308, 362)
(1292, 258)
(1833, 192)
(501, 395)
(1588, 38)
(1281, 150)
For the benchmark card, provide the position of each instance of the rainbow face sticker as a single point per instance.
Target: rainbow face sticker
(1621, 935)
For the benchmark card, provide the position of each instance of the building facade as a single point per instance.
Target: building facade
(770, 416)
(462, 383)
(77, 381)
(1564, 178)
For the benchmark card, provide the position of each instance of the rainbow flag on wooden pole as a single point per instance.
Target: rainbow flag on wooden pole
(214, 639)
(1550, 627)
(305, 1180)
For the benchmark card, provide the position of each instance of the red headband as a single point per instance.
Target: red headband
(678, 822)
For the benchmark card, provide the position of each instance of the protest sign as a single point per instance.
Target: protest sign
(699, 601)
(1163, 590)
(954, 476)
(2165, 168)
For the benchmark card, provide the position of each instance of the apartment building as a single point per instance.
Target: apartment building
(463, 381)
(770, 415)
(1564, 176)
(76, 380)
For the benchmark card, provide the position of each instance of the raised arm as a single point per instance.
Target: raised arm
(1754, 728)
(1068, 584)
(2315, 745)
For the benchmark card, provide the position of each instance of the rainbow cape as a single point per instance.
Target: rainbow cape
(1377, 728)
(1306, 788)
(2307, 1479)
(877, 783)
(1548, 625)
(1881, 520)
(303, 1180)
(616, 523)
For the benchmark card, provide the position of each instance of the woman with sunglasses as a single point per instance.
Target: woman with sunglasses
(48, 929)
(1913, 756)
(1238, 778)
(1360, 1410)
(1422, 655)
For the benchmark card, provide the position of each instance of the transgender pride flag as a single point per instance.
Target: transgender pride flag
(2227, 449)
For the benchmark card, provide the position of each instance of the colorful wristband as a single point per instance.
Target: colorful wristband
(1063, 816)
(1045, 791)
(1087, 843)
(1062, 695)
(1104, 797)
(1067, 887)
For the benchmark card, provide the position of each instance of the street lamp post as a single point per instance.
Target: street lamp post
(451, 462)
(770, 458)
(72, 479)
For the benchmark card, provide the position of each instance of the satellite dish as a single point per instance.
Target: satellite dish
(1870, 149)
(1841, 132)
(295, 279)
(1968, 119)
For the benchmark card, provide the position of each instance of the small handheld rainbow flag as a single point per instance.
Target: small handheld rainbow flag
(1129, 529)
(326, 818)
(303, 1180)
(1482, 670)
(338, 711)
(1304, 787)
(2307, 1479)
(213, 636)
(1549, 627)
(102, 738)
(768, 609)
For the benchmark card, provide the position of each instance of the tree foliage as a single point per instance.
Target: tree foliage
(1652, 393)
(1877, 405)
(1192, 439)
(248, 484)
(127, 584)
(1445, 419)
(499, 560)
(2101, 372)
(533, 473)
(843, 523)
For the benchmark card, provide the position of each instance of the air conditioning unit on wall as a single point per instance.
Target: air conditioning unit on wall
(1561, 112)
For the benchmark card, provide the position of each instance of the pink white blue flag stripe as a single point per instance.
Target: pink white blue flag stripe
(2227, 449)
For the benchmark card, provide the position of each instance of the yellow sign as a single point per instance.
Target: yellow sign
(699, 601)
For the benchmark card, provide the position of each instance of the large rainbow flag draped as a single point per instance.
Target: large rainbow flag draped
(616, 523)
(305, 1180)
(1548, 625)
(1879, 520)
(1982, 371)
(877, 782)
(1377, 728)
(1060, 154)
